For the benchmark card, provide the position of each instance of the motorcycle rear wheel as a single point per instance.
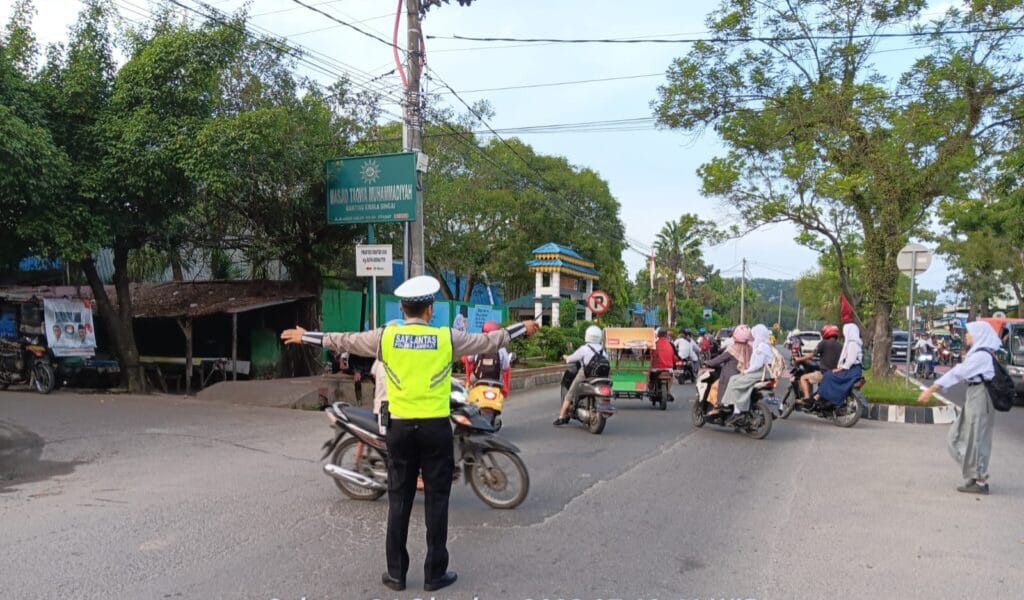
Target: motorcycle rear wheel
(760, 421)
(494, 474)
(370, 461)
(848, 414)
(43, 378)
(596, 422)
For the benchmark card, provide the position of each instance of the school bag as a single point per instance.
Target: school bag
(598, 365)
(1000, 387)
(488, 366)
(775, 368)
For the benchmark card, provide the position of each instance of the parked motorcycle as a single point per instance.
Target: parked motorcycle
(659, 387)
(757, 423)
(924, 368)
(845, 415)
(26, 362)
(358, 452)
(684, 371)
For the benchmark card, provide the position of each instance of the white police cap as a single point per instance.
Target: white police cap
(418, 290)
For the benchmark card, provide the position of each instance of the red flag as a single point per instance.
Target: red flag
(846, 311)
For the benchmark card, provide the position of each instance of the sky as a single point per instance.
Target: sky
(652, 172)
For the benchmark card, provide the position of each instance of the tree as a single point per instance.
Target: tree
(678, 255)
(818, 137)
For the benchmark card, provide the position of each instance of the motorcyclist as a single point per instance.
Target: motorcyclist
(686, 348)
(593, 346)
(495, 367)
(664, 354)
(924, 345)
(827, 352)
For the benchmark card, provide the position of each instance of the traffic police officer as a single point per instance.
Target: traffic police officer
(417, 359)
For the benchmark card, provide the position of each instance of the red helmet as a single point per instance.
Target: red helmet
(490, 326)
(829, 331)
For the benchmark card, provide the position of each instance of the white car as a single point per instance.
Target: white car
(809, 341)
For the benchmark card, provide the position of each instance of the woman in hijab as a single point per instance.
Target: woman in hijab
(732, 362)
(837, 383)
(741, 387)
(970, 438)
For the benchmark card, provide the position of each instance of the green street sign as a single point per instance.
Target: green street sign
(371, 189)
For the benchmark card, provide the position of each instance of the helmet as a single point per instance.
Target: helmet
(829, 331)
(687, 332)
(490, 326)
(702, 331)
(661, 332)
(593, 335)
(742, 335)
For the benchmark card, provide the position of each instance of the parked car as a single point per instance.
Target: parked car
(809, 341)
(900, 343)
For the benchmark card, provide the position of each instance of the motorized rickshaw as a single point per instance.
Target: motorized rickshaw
(629, 351)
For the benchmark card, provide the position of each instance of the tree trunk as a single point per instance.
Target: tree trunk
(882, 242)
(467, 294)
(186, 328)
(119, 322)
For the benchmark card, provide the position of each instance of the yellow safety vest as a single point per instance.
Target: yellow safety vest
(418, 361)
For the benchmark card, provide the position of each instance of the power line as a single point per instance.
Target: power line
(558, 83)
(373, 36)
(730, 40)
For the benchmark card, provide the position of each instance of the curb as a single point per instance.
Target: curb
(930, 415)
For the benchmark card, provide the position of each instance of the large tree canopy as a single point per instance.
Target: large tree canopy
(816, 134)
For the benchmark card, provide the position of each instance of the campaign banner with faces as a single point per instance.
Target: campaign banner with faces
(69, 327)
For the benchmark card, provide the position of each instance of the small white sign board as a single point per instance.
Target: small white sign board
(373, 260)
(911, 254)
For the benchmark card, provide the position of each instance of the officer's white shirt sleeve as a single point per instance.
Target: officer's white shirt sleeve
(363, 343)
(468, 344)
(582, 354)
(976, 364)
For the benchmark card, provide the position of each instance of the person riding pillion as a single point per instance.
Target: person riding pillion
(741, 387)
(417, 361)
(593, 345)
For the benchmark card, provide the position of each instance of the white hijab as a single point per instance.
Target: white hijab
(853, 347)
(762, 352)
(983, 337)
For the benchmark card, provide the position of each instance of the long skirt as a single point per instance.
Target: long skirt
(740, 389)
(970, 437)
(835, 387)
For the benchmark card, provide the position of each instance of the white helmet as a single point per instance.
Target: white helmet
(593, 335)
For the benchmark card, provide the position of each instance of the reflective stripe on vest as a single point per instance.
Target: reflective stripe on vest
(418, 362)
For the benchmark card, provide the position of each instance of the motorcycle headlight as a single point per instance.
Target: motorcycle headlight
(1017, 371)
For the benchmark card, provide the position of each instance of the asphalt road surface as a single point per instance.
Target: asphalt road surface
(122, 497)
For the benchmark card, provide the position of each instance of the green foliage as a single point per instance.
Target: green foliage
(816, 135)
(567, 312)
(550, 343)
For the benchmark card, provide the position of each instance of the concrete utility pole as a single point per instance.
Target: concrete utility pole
(743, 291)
(412, 135)
(779, 320)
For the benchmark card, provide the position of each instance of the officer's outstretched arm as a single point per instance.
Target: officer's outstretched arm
(486, 343)
(364, 343)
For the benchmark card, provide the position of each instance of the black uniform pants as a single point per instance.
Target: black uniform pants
(415, 445)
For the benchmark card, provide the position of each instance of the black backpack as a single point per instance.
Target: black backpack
(488, 366)
(598, 365)
(1000, 387)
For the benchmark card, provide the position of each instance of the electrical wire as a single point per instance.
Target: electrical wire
(731, 40)
(373, 36)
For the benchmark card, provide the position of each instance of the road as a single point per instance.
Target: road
(124, 497)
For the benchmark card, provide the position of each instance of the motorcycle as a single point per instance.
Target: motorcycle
(592, 405)
(489, 396)
(924, 368)
(358, 452)
(845, 415)
(757, 423)
(659, 387)
(26, 362)
(945, 356)
(684, 371)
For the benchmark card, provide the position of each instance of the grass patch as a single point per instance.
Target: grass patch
(893, 390)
